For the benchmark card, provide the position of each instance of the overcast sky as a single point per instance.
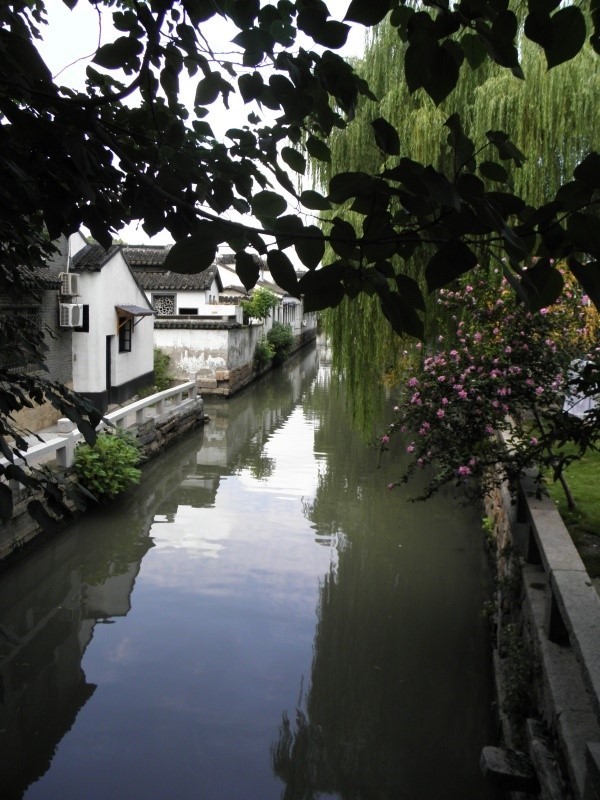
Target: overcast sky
(72, 37)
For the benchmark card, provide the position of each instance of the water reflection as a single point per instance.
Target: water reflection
(212, 681)
(399, 684)
(52, 601)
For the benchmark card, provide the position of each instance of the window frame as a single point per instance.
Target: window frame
(125, 334)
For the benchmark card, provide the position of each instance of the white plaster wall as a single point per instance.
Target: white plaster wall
(102, 291)
(200, 351)
(189, 299)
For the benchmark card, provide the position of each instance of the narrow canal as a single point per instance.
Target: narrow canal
(259, 619)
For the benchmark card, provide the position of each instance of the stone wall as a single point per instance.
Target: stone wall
(153, 436)
(219, 356)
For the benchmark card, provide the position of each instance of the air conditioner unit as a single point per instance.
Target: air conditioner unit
(69, 283)
(71, 315)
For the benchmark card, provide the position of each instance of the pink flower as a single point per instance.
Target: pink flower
(385, 439)
(413, 382)
(440, 413)
(464, 471)
(539, 390)
(390, 485)
(410, 448)
(533, 441)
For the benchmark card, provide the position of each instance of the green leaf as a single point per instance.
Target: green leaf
(324, 279)
(410, 290)
(193, 254)
(585, 232)
(208, 89)
(542, 284)
(324, 298)
(294, 159)
(314, 201)
(118, 54)
(386, 136)
(318, 149)
(450, 262)
(493, 171)
(251, 86)
(311, 251)
(247, 269)
(588, 172)
(345, 185)
(282, 271)
(24, 56)
(473, 49)
(506, 149)
(367, 12)
(268, 204)
(331, 34)
(343, 238)
(568, 36)
(401, 315)
(286, 229)
(444, 73)
(463, 147)
(588, 276)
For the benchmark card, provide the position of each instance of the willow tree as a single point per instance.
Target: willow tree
(552, 116)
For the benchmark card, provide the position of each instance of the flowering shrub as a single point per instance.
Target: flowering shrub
(501, 363)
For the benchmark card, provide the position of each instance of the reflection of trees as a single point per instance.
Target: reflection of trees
(400, 665)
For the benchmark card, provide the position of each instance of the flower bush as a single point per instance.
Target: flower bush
(502, 367)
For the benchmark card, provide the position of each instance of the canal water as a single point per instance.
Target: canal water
(259, 619)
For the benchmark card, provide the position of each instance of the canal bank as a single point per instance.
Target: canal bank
(259, 619)
(154, 423)
(547, 651)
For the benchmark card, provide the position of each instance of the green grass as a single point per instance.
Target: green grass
(583, 477)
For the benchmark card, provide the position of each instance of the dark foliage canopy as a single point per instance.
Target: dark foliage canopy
(128, 148)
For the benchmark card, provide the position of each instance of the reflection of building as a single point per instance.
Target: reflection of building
(49, 612)
(51, 602)
(239, 426)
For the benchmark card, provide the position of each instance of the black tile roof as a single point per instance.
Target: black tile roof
(146, 255)
(93, 257)
(162, 280)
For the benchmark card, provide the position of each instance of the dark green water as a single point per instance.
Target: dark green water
(260, 619)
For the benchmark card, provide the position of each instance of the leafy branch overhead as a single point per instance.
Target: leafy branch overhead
(129, 148)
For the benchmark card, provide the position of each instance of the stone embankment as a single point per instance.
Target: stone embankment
(153, 435)
(547, 652)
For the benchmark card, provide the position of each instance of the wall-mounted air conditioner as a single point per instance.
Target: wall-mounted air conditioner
(69, 283)
(70, 315)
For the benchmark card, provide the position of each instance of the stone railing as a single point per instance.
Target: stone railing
(561, 615)
(155, 423)
(62, 448)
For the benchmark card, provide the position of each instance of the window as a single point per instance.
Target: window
(164, 304)
(189, 311)
(289, 313)
(125, 331)
(85, 322)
